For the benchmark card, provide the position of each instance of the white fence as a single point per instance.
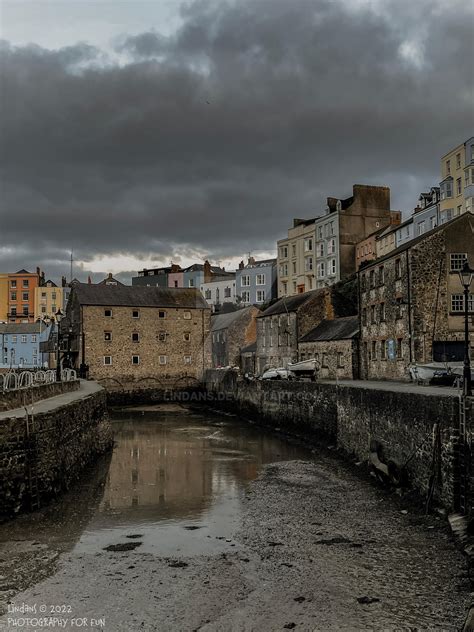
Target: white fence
(15, 380)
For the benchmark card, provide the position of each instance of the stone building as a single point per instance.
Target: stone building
(282, 324)
(126, 332)
(334, 344)
(411, 302)
(232, 332)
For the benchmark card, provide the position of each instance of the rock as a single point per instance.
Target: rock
(367, 600)
(289, 626)
(125, 546)
(178, 564)
(299, 599)
(404, 512)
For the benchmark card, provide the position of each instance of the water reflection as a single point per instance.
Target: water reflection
(176, 481)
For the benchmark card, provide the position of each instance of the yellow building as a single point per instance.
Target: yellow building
(296, 259)
(48, 299)
(3, 297)
(457, 184)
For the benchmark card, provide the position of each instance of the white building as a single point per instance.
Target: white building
(219, 291)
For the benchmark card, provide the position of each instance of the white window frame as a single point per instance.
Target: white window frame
(133, 359)
(108, 315)
(456, 261)
(188, 359)
(187, 314)
(163, 359)
(260, 280)
(260, 296)
(245, 296)
(137, 312)
(105, 358)
(245, 280)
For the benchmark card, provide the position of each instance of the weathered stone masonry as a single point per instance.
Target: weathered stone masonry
(417, 432)
(50, 450)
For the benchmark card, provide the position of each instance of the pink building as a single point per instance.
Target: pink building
(175, 276)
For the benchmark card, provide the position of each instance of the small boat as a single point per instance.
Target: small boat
(303, 365)
(277, 374)
(426, 372)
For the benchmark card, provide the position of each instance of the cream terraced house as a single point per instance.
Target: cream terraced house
(457, 184)
(126, 333)
(296, 263)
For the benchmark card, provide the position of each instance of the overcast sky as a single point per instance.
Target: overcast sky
(143, 132)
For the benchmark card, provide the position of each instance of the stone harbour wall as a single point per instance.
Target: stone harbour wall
(27, 396)
(43, 454)
(415, 436)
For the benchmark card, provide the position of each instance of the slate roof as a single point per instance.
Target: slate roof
(21, 328)
(290, 303)
(337, 329)
(223, 321)
(138, 296)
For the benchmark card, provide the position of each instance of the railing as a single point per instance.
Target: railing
(16, 380)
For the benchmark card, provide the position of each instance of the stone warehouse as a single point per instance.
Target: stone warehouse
(232, 332)
(282, 324)
(411, 302)
(334, 344)
(133, 332)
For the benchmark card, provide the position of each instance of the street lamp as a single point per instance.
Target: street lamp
(58, 315)
(465, 276)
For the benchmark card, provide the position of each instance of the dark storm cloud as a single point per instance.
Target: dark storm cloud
(251, 114)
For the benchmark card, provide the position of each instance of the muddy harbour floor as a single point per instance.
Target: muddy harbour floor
(203, 522)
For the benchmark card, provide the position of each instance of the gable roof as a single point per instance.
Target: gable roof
(223, 321)
(138, 296)
(291, 303)
(337, 329)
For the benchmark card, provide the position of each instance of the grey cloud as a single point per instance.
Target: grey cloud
(251, 113)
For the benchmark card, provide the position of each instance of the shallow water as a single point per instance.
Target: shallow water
(176, 481)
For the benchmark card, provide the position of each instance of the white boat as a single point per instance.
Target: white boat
(277, 374)
(426, 372)
(303, 365)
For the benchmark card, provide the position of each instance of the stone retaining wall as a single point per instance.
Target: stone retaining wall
(49, 451)
(27, 396)
(416, 434)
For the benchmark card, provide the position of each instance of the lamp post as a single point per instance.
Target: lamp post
(465, 276)
(58, 315)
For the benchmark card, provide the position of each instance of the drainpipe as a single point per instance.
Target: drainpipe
(409, 307)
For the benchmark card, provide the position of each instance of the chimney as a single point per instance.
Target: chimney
(63, 281)
(251, 261)
(89, 280)
(241, 265)
(207, 271)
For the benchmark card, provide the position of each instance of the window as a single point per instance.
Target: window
(260, 279)
(324, 361)
(399, 348)
(383, 349)
(340, 360)
(162, 359)
(43, 295)
(26, 283)
(191, 283)
(227, 292)
(14, 338)
(53, 296)
(245, 280)
(373, 354)
(332, 267)
(308, 264)
(459, 210)
(398, 269)
(188, 359)
(161, 314)
(432, 223)
(25, 310)
(187, 315)
(448, 167)
(217, 295)
(331, 246)
(382, 312)
(23, 338)
(421, 228)
(260, 296)
(373, 311)
(284, 270)
(321, 269)
(187, 336)
(107, 336)
(284, 252)
(135, 336)
(372, 278)
(208, 295)
(458, 161)
(13, 296)
(33, 339)
(176, 284)
(245, 296)
(308, 244)
(162, 336)
(446, 189)
(321, 249)
(135, 359)
(107, 360)
(458, 186)
(12, 283)
(108, 313)
(457, 303)
(13, 311)
(293, 250)
(381, 275)
(457, 260)
(293, 267)
(399, 304)
(135, 313)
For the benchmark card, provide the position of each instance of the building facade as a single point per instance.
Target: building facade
(48, 299)
(457, 181)
(366, 250)
(20, 345)
(124, 332)
(296, 259)
(219, 291)
(256, 282)
(411, 303)
(18, 289)
(281, 325)
(231, 333)
(334, 344)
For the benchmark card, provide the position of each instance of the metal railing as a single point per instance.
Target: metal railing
(16, 380)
